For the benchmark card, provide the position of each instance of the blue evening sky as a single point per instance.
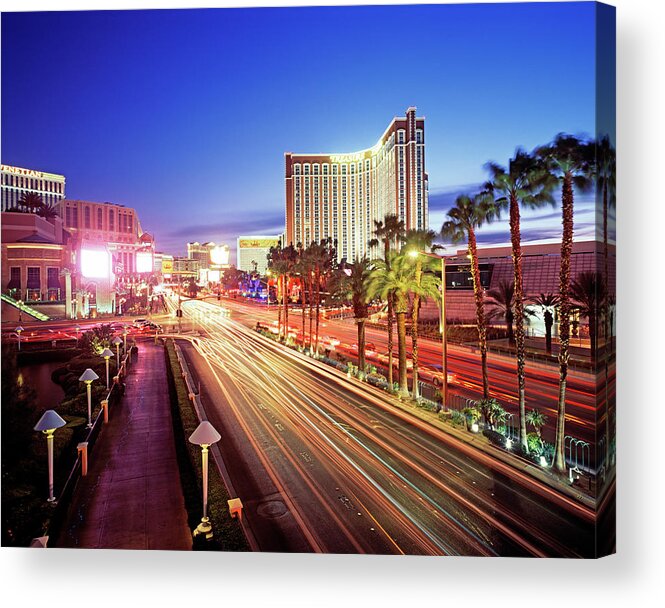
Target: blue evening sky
(185, 115)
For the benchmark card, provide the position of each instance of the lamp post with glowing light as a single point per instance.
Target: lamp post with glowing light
(117, 341)
(124, 335)
(204, 435)
(88, 376)
(48, 423)
(18, 330)
(78, 329)
(444, 342)
(20, 310)
(107, 353)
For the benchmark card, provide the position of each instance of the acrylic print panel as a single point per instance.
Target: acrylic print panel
(354, 300)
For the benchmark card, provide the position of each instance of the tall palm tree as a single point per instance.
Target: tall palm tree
(396, 278)
(547, 302)
(526, 182)
(323, 258)
(501, 300)
(589, 292)
(389, 233)
(415, 242)
(31, 202)
(468, 214)
(48, 211)
(606, 182)
(289, 257)
(569, 162)
(277, 265)
(351, 283)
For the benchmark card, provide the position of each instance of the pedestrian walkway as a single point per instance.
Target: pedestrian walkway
(131, 497)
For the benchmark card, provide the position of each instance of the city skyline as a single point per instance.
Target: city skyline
(159, 120)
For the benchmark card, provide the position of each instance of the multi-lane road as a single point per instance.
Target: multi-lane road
(325, 464)
(585, 397)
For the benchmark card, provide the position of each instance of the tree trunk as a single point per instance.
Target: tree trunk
(401, 346)
(414, 330)
(564, 319)
(549, 321)
(279, 308)
(480, 311)
(318, 307)
(607, 324)
(390, 320)
(515, 239)
(286, 308)
(593, 337)
(302, 299)
(311, 311)
(361, 344)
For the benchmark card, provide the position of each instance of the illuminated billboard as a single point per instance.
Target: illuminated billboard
(167, 266)
(144, 261)
(220, 255)
(95, 263)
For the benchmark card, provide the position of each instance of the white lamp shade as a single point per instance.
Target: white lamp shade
(49, 420)
(116, 341)
(88, 376)
(19, 329)
(107, 352)
(205, 434)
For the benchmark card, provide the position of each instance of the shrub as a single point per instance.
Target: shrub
(228, 534)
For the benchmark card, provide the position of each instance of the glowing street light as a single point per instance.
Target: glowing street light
(18, 330)
(48, 423)
(204, 435)
(107, 353)
(88, 376)
(20, 310)
(414, 253)
(124, 335)
(78, 329)
(117, 341)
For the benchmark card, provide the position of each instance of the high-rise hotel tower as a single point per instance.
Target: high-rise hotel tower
(340, 195)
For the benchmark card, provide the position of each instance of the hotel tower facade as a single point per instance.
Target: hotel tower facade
(340, 195)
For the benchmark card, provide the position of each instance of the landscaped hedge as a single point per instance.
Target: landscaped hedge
(228, 534)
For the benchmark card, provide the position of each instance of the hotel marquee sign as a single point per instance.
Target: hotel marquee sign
(29, 172)
(257, 243)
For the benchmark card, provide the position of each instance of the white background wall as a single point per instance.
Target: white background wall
(634, 577)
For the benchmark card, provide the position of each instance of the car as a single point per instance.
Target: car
(140, 321)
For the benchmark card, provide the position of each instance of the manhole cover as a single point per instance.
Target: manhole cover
(271, 509)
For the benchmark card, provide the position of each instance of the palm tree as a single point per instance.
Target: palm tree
(501, 299)
(526, 183)
(323, 259)
(352, 285)
(537, 420)
(606, 183)
(48, 211)
(389, 232)
(589, 292)
(31, 202)
(568, 160)
(468, 214)
(277, 265)
(547, 303)
(415, 242)
(396, 278)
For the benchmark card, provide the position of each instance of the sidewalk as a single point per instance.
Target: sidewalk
(131, 497)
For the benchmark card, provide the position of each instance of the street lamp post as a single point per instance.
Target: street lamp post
(78, 329)
(18, 330)
(107, 353)
(20, 310)
(444, 340)
(124, 335)
(204, 435)
(88, 376)
(117, 341)
(48, 423)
